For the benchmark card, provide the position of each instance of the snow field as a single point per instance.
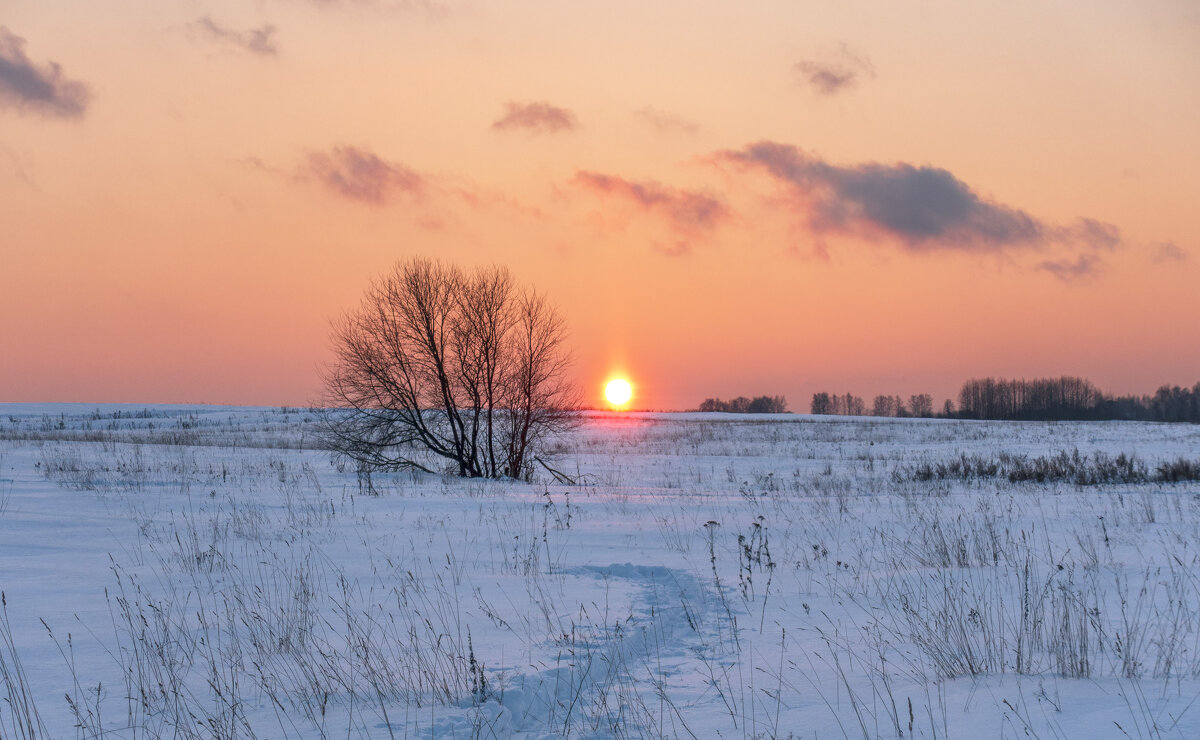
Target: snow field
(203, 572)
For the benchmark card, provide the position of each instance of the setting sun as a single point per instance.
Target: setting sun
(618, 392)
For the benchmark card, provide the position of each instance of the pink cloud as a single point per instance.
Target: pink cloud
(688, 210)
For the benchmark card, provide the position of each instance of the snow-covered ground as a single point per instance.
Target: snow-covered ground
(204, 572)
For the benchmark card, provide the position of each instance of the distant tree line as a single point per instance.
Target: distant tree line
(1073, 399)
(1042, 399)
(1169, 403)
(743, 405)
(851, 405)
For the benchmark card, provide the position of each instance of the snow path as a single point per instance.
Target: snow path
(598, 659)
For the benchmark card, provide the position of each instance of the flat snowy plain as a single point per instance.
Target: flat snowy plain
(203, 572)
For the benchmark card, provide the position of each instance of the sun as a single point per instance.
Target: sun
(618, 392)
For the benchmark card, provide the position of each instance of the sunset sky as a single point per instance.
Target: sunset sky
(768, 197)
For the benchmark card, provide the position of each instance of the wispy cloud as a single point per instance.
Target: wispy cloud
(689, 213)
(17, 165)
(1071, 270)
(39, 88)
(431, 8)
(834, 72)
(666, 123)
(536, 117)
(1092, 234)
(922, 207)
(1167, 252)
(361, 175)
(259, 41)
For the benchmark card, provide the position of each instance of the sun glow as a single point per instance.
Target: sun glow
(618, 392)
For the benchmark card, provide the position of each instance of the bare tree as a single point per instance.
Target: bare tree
(921, 405)
(838, 405)
(437, 364)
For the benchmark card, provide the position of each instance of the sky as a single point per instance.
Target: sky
(721, 198)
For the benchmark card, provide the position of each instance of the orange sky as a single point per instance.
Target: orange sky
(722, 198)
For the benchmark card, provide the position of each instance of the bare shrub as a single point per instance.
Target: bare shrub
(1178, 470)
(1099, 468)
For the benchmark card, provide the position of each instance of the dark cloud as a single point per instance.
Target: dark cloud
(361, 175)
(666, 123)
(1082, 267)
(834, 72)
(688, 211)
(923, 207)
(1167, 252)
(42, 89)
(259, 41)
(538, 117)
